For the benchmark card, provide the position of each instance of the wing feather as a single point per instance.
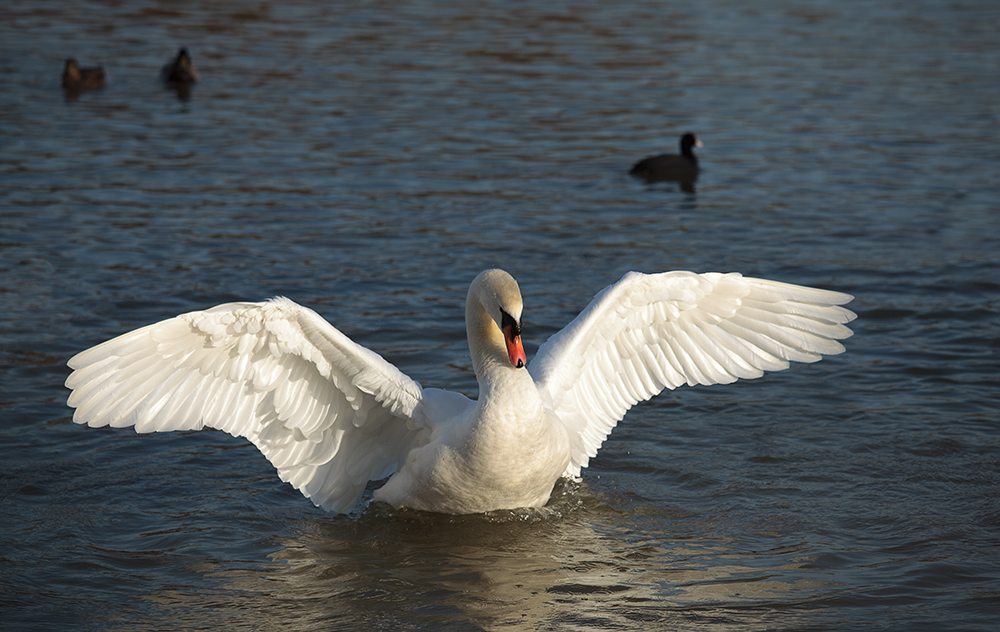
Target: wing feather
(650, 332)
(329, 414)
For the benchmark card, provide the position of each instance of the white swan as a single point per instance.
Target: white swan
(332, 415)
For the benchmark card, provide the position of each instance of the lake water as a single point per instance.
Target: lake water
(367, 159)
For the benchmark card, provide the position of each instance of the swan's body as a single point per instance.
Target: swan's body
(332, 415)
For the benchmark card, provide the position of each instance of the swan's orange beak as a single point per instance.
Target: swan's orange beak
(512, 337)
(515, 350)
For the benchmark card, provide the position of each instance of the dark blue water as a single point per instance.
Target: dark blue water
(368, 159)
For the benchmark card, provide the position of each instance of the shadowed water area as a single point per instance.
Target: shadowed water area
(368, 159)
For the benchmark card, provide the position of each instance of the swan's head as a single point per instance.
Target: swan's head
(500, 296)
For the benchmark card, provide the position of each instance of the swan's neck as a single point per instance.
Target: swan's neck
(510, 416)
(486, 344)
(505, 390)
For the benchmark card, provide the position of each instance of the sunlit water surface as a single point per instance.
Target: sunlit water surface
(368, 159)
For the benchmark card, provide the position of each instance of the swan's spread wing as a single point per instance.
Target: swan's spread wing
(650, 332)
(328, 413)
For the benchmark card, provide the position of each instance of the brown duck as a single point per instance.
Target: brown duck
(180, 70)
(76, 78)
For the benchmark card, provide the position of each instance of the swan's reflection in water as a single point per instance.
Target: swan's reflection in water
(567, 566)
